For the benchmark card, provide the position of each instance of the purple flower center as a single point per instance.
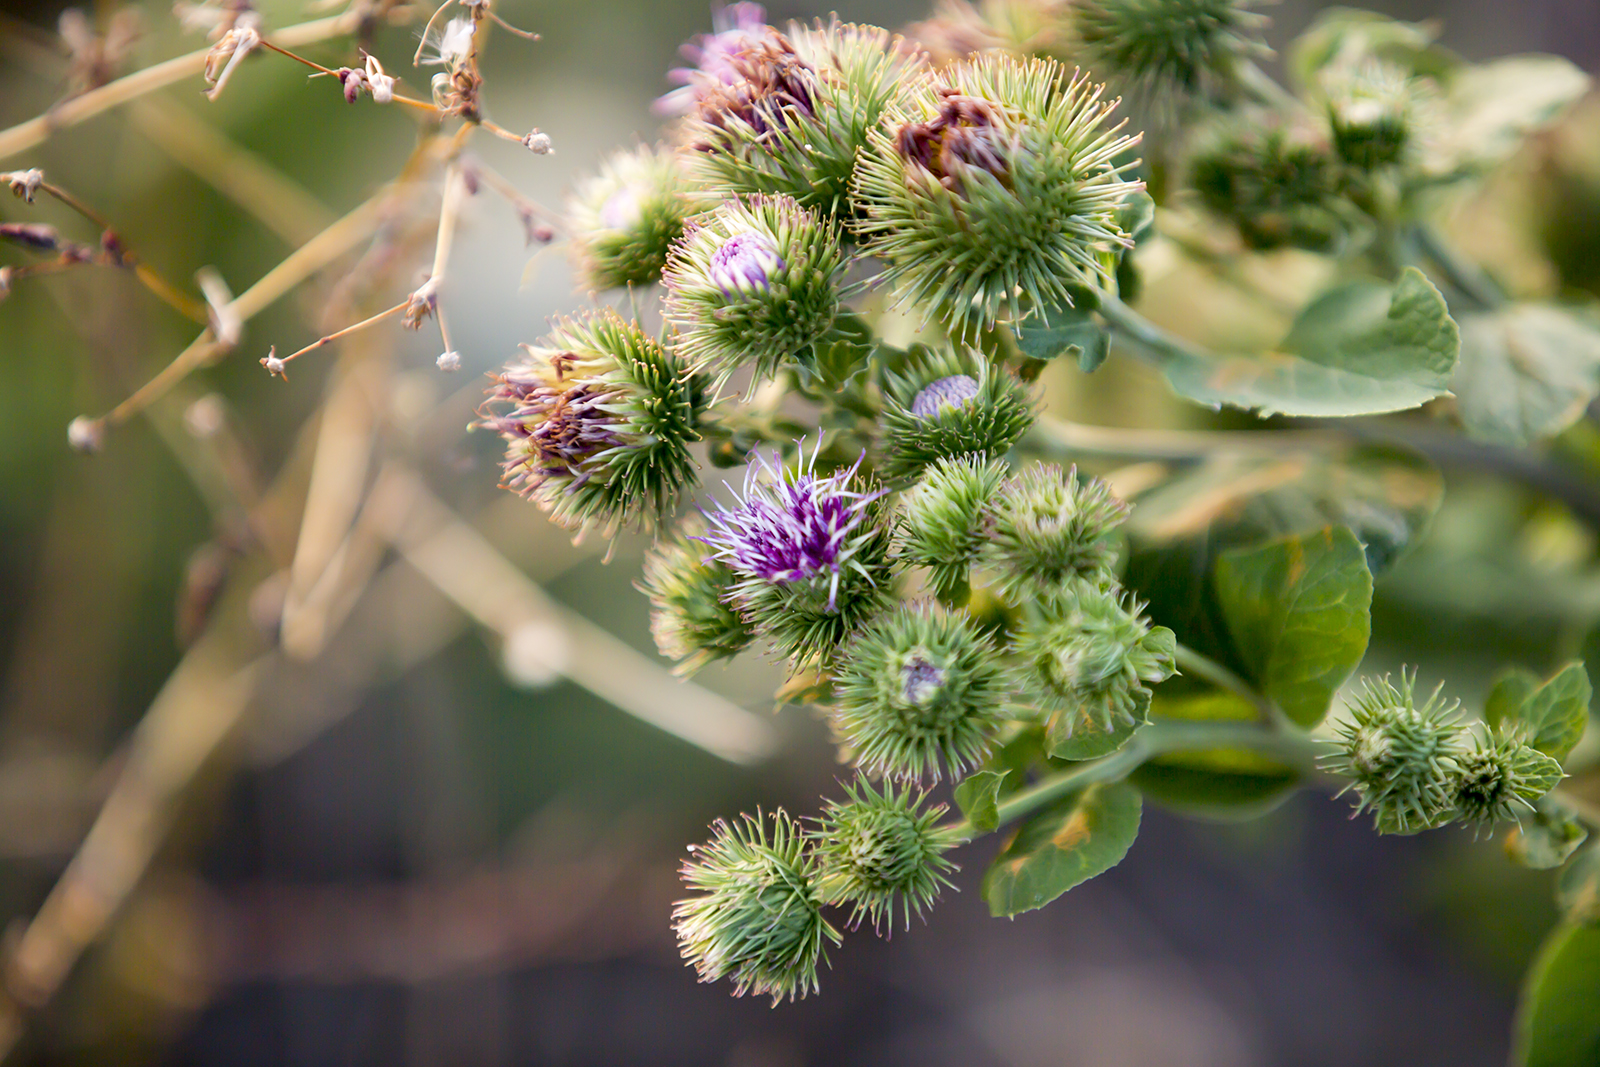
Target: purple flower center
(790, 527)
(745, 263)
(920, 681)
(737, 25)
(956, 391)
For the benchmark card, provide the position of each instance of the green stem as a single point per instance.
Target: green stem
(1207, 669)
(1148, 340)
(1261, 87)
(1466, 276)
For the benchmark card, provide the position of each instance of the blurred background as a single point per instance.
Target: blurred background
(412, 840)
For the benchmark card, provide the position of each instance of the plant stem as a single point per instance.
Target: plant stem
(1146, 338)
(1208, 669)
(1465, 275)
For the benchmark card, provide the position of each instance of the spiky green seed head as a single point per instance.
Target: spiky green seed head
(1278, 184)
(918, 688)
(1087, 654)
(994, 189)
(947, 403)
(753, 283)
(691, 617)
(880, 850)
(1400, 758)
(797, 112)
(942, 521)
(1500, 777)
(597, 420)
(1048, 529)
(1166, 52)
(1375, 111)
(625, 219)
(758, 917)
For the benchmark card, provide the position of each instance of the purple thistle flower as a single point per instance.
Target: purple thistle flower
(745, 262)
(790, 527)
(556, 428)
(957, 391)
(737, 25)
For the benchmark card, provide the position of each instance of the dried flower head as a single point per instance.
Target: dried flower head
(691, 617)
(1048, 529)
(795, 111)
(754, 282)
(996, 191)
(940, 404)
(625, 219)
(758, 918)
(879, 850)
(597, 423)
(1401, 759)
(917, 689)
(810, 552)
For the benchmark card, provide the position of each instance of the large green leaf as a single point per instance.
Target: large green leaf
(1490, 107)
(1076, 838)
(1362, 349)
(1299, 612)
(1558, 1021)
(1550, 715)
(1527, 372)
(1578, 889)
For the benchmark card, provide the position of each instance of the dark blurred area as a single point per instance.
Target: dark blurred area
(422, 850)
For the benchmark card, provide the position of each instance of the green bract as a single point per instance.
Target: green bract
(1401, 759)
(994, 190)
(915, 689)
(597, 422)
(753, 283)
(942, 518)
(1498, 778)
(878, 850)
(689, 593)
(1048, 529)
(625, 219)
(797, 112)
(758, 918)
(942, 404)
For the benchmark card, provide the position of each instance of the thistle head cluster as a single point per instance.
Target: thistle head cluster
(1400, 758)
(943, 404)
(1499, 777)
(1049, 529)
(809, 554)
(753, 282)
(758, 919)
(1086, 654)
(995, 189)
(1167, 51)
(880, 849)
(625, 219)
(917, 689)
(691, 618)
(793, 111)
(597, 422)
(943, 521)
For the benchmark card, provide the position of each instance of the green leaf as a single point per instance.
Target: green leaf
(1558, 1021)
(1361, 349)
(1299, 612)
(976, 796)
(1512, 688)
(1546, 838)
(1072, 332)
(1557, 714)
(1076, 838)
(1340, 34)
(1224, 784)
(1073, 734)
(1490, 107)
(1578, 888)
(1528, 371)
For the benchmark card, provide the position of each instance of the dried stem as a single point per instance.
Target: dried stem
(328, 339)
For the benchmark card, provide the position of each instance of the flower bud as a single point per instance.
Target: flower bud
(810, 554)
(1400, 758)
(1373, 111)
(942, 519)
(1048, 529)
(753, 282)
(758, 918)
(1497, 776)
(1085, 655)
(1276, 184)
(792, 111)
(946, 404)
(916, 689)
(625, 219)
(690, 616)
(1166, 51)
(597, 423)
(878, 850)
(995, 190)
